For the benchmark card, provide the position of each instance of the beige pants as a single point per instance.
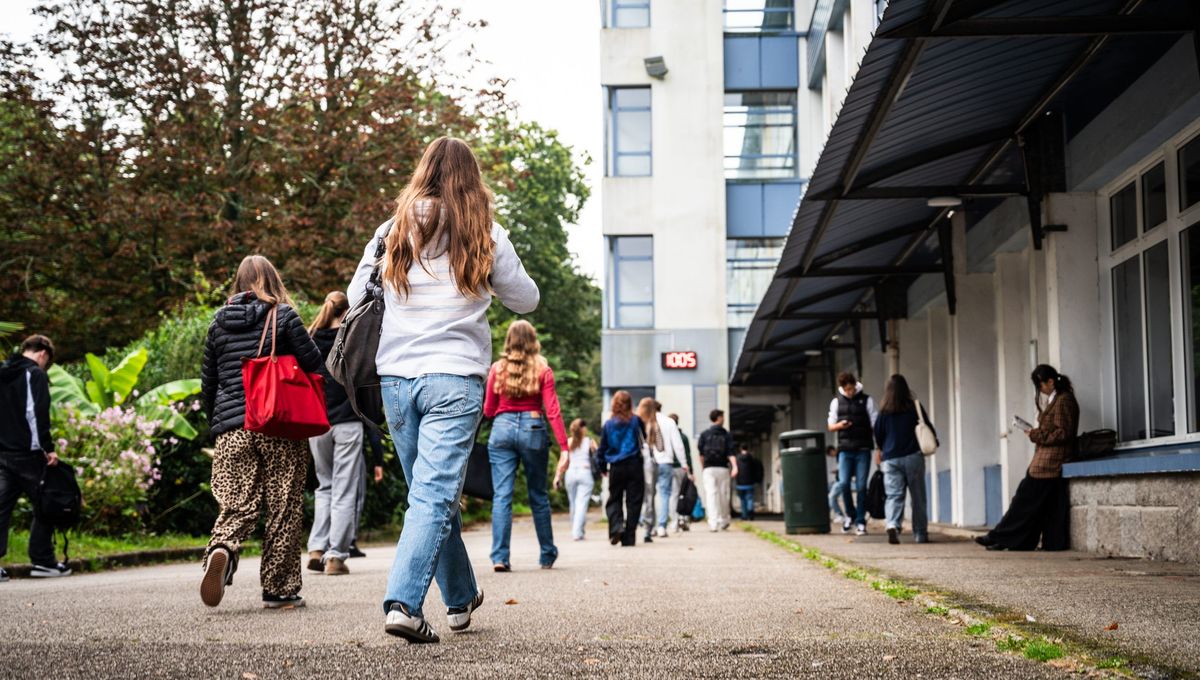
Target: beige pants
(716, 497)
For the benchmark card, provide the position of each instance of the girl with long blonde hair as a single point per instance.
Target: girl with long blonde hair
(663, 449)
(250, 466)
(520, 395)
(576, 464)
(444, 259)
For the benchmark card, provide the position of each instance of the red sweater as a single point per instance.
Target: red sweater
(545, 399)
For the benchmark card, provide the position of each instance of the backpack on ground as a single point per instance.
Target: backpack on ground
(351, 362)
(59, 502)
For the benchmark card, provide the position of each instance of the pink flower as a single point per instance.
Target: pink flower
(195, 405)
(62, 443)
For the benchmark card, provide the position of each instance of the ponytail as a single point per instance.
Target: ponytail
(1046, 372)
(336, 304)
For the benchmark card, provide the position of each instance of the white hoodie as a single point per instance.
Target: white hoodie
(672, 443)
(872, 412)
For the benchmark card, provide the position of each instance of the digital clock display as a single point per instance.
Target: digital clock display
(679, 360)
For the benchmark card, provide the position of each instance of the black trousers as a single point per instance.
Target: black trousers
(21, 473)
(627, 487)
(1040, 511)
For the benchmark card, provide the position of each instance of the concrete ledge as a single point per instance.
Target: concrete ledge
(114, 561)
(1158, 460)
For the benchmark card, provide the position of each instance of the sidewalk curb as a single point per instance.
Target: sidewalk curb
(118, 560)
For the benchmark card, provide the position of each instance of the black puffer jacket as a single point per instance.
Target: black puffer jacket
(234, 334)
(337, 405)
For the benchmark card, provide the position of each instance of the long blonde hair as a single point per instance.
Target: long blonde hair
(336, 304)
(257, 275)
(519, 371)
(446, 209)
(647, 409)
(578, 427)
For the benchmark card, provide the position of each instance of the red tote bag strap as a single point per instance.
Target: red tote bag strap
(270, 322)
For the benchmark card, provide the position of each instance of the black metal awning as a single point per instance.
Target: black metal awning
(968, 100)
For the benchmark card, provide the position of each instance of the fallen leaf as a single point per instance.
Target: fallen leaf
(604, 583)
(889, 657)
(1112, 626)
(510, 602)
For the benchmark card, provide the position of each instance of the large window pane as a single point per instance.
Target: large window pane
(629, 135)
(750, 266)
(630, 13)
(760, 135)
(1158, 341)
(1154, 197)
(1123, 215)
(758, 16)
(1127, 323)
(1191, 305)
(1189, 174)
(631, 282)
(635, 281)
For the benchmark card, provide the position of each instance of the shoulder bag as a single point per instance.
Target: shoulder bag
(282, 400)
(925, 436)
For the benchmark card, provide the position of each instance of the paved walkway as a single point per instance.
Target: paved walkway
(1155, 605)
(695, 605)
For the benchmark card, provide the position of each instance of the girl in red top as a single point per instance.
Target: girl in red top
(520, 396)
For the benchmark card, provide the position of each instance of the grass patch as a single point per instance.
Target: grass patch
(937, 611)
(979, 629)
(87, 547)
(812, 554)
(1043, 650)
(1113, 663)
(894, 589)
(829, 564)
(856, 574)
(1010, 643)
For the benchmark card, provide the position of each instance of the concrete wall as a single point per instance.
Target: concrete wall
(1154, 516)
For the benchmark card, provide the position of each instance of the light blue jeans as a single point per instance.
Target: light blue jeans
(432, 419)
(520, 438)
(906, 473)
(579, 493)
(666, 477)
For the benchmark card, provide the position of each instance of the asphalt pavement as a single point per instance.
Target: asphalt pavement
(693, 605)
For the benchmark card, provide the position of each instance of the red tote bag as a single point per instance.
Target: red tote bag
(282, 400)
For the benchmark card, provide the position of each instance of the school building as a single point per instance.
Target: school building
(950, 189)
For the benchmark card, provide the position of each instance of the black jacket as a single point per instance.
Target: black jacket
(21, 377)
(336, 403)
(234, 335)
(716, 446)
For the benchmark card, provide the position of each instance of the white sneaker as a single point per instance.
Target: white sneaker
(460, 619)
(860, 530)
(661, 532)
(838, 519)
(415, 629)
(54, 571)
(846, 524)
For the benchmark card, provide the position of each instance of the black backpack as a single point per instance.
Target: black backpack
(59, 503)
(351, 362)
(713, 450)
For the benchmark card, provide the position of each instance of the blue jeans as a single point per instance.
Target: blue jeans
(432, 420)
(520, 438)
(745, 494)
(899, 475)
(665, 478)
(835, 497)
(855, 464)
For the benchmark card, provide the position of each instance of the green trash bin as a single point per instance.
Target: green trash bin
(805, 491)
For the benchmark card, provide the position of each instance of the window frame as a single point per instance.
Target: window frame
(790, 10)
(794, 155)
(762, 262)
(612, 130)
(614, 304)
(1169, 231)
(615, 6)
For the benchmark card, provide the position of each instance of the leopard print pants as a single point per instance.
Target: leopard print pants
(251, 469)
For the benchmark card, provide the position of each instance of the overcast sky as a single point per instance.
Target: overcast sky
(549, 51)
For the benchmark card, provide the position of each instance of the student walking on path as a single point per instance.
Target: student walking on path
(1040, 509)
(26, 448)
(337, 457)
(576, 464)
(719, 465)
(679, 473)
(852, 415)
(444, 260)
(664, 446)
(520, 395)
(749, 475)
(252, 468)
(903, 463)
(621, 458)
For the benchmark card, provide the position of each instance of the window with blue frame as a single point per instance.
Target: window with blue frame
(629, 139)
(760, 135)
(759, 16)
(749, 267)
(629, 13)
(631, 282)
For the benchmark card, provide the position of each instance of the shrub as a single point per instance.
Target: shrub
(117, 463)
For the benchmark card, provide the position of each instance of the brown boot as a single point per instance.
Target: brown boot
(335, 566)
(314, 561)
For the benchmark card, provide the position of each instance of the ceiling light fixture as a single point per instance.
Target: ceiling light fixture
(944, 202)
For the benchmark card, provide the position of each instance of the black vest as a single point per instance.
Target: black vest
(859, 436)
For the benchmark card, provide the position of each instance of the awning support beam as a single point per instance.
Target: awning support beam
(1038, 27)
(826, 294)
(945, 241)
(892, 270)
(871, 242)
(961, 190)
(828, 316)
